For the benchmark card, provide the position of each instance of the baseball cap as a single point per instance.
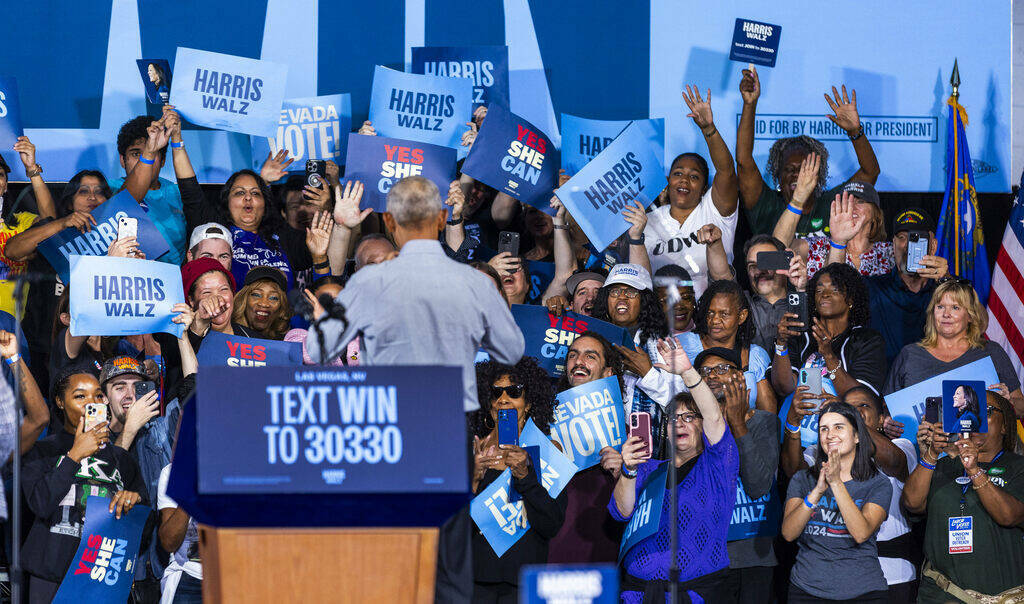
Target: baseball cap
(200, 266)
(579, 277)
(633, 275)
(210, 230)
(913, 219)
(121, 365)
(259, 273)
(862, 190)
(727, 354)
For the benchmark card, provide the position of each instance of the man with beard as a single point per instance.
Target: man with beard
(768, 300)
(589, 534)
(900, 298)
(751, 553)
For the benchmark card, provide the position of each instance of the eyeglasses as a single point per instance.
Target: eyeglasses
(513, 391)
(720, 369)
(687, 418)
(623, 292)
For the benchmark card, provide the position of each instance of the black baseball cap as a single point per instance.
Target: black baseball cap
(730, 355)
(913, 219)
(259, 273)
(863, 191)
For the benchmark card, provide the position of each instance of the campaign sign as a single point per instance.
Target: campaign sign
(308, 128)
(156, 78)
(486, 66)
(647, 510)
(759, 517)
(541, 275)
(123, 296)
(238, 351)
(498, 515)
(10, 115)
(515, 157)
(58, 248)
(628, 169)
(230, 93)
(331, 430)
(103, 568)
(907, 405)
(555, 469)
(964, 407)
(583, 139)
(589, 418)
(548, 337)
(379, 162)
(755, 42)
(424, 108)
(579, 584)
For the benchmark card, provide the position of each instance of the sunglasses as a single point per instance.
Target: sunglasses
(513, 391)
(957, 281)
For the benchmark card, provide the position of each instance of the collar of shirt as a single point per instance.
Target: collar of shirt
(422, 246)
(899, 285)
(756, 298)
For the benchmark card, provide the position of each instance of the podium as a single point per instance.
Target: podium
(273, 532)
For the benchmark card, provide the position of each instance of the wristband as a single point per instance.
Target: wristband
(638, 241)
(925, 464)
(808, 503)
(148, 162)
(695, 384)
(629, 473)
(714, 130)
(11, 360)
(561, 227)
(860, 133)
(836, 245)
(455, 221)
(781, 351)
(180, 145)
(794, 209)
(980, 472)
(324, 264)
(792, 429)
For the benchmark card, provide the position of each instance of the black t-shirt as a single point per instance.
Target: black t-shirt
(56, 490)
(59, 359)
(43, 299)
(860, 349)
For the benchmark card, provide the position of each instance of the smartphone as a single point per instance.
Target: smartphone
(508, 427)
(798, 306)
(508, 241)
(640, 425)
(143, 388)
(127, 227)
(917, 248)
(932, 409)
(774, 261)
(95, 414)
(811, 377)
(316, 172)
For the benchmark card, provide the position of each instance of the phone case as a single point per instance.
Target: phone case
(508, 427)
(773, 261)
(146, 387)
(812, 379)
(127, 227)
(798, 305)
(95, 414)
(640, 425)
(508, 241)
(915, 251)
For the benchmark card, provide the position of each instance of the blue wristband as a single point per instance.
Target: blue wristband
(792, 428)
(836, 245)
(925, 464)
(148, 162)
(178, 145)
(808, 504)
(794, 209)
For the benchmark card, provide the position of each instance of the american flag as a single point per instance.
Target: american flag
(1006, 300)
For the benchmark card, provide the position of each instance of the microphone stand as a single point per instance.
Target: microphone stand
(672, 286)
(15, 524)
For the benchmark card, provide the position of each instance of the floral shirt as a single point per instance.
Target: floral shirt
(878, 260)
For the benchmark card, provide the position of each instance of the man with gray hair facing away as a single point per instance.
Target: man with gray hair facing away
(421, 308)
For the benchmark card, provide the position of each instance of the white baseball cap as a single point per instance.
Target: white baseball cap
(633, 275)
(210, 230)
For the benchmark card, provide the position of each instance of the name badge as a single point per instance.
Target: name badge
(961, 535)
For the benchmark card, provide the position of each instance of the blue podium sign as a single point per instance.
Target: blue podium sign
(551, 584)
(331, 430)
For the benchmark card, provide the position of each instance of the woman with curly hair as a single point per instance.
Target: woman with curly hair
(722, 320)
(763, 203)
(838, 342)
(524, 387)
(261, 304)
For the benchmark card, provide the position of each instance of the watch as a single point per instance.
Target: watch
(632, 241)
(856, 135)
(628, 473)
(455, 222)
(35, 172)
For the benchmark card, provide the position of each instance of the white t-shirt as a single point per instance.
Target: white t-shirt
(896, 570)
(180, 560)
(669, 242)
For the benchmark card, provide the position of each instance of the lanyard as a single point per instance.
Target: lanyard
(966, 481)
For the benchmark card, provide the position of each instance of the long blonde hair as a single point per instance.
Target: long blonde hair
(279, 325)
(963, 294)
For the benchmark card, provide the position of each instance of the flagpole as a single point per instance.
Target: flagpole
(954, 81)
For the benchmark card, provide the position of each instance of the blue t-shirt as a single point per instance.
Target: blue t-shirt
(249, 250)
(758, 362)
(164, 208)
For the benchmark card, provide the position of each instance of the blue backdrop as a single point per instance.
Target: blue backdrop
(899, 65)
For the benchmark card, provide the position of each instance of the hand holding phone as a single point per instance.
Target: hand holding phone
(917, 248)
(95, 414)
(143, 388)
(640, 426)
(508, 427)
(508, 241)
(774, 260)
(797, 304)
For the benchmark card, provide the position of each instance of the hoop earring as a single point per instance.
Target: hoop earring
(488, 422)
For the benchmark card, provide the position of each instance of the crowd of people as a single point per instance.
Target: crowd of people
(718, 361)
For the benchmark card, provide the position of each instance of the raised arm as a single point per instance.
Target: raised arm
(503, 209)
(718, 262)
(724, 188)
(565, 260)
(636, 216)
(750, 181)
(145, 171)
(24, 244)
(677, 362)
(847, 118)
(44, 200)
(785, 228)
(931, 440)
(455, 228)
(179, 155)
(37, 415)
(842, 226)
(347, 220)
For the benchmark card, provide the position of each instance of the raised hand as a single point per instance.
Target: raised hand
(560, 211)
(935, 267)
(172, 121)
(26, 151)
(790, 326)
(185, 315)
(556, 305)
(318, 234)
(750, 86)
(845, 109)
(797, 273)
(332, 171)
(832, 469)
(8, 344)
(842, 224)
(516, 459)
(456, 199)
(275, 167)
(346, 208)
(367, 129)
(469, 136)
(737, 398)
(141, 411)
(209, 307)
(968, 454)
(320, 196)
(505, 263)
(676, 359)
(636, 216)
(807, 179)
(700, 110)
(635, 360)
(891, 427)
(479, 114)
(157, 136)
(709, 234)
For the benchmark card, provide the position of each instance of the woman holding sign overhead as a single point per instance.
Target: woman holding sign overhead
(706, 463)
(525, 389)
